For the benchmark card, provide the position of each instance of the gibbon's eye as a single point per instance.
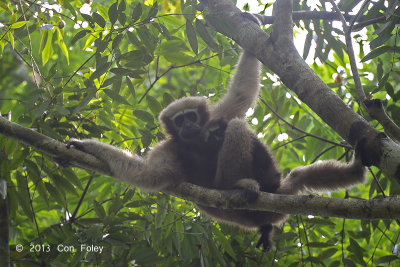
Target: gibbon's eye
(179, 121)
(192, 116)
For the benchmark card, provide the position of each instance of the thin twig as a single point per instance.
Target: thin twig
(350, 53)
(158, 77)
(80, 67)
(300, 130)
(72, 219)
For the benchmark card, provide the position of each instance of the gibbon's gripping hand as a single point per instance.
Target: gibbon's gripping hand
(213, 133)
(75, 143)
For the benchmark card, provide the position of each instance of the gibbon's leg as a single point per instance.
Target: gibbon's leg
(329, 175)
(242, 91)
(265, 240)
(154, 173)
(234, 165)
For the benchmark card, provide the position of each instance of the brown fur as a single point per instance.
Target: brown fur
(225, 155)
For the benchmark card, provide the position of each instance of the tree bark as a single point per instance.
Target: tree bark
(278, 53)
(388, 208)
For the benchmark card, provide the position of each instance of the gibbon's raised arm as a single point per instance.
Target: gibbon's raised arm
(242, 90)
(152, 173)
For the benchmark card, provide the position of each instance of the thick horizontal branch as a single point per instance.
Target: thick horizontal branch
(387, 208)
(307, 205)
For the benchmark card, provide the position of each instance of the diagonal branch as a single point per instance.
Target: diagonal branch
(279, 54)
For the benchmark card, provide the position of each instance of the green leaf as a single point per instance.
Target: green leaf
(84, 102)
(23, 195)
(125, 72)
(147, 38)
(386, 259)
(167, 99)
(117, 40)
(78, 36)
(61, 44)
(375, 53)
(48, 48)
(68, 6)
(63, 184)
(55, 194)
(99, 19)
(113, 13)
(225, 244)
(380, 40)
(136, 12)
(145, 255)
(154, 105)
(202, 31)
(192, 37)
(116, 97)
(18, 24)
(136, 59)
(171, 46)
(153, 12)
(101, 69)
(89, 19)
(99, 210)
(143, 115)
(146, 138)
(121, 12)
(389, 89)
(122, 6)
(131, 87)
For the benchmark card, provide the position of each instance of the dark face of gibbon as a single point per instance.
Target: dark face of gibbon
(185, 125)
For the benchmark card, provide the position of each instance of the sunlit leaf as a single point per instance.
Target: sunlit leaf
(18, 24)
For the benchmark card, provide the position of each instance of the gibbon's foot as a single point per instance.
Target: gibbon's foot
(265, 240)
(249, 195)
(250, 189)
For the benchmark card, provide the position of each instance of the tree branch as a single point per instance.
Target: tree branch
(323, 15)
(305, 205)
(350, 52)
(281, 56)
(376, 111)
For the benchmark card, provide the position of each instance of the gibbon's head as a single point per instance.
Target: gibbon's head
(184, 118)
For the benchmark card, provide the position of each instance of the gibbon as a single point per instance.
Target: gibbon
(212, 146)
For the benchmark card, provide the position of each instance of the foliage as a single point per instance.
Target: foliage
(106, 73)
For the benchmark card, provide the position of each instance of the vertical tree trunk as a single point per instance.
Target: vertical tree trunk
(4, 233)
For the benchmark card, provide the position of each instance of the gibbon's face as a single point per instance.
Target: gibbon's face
(187, 124)
(184, 119)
